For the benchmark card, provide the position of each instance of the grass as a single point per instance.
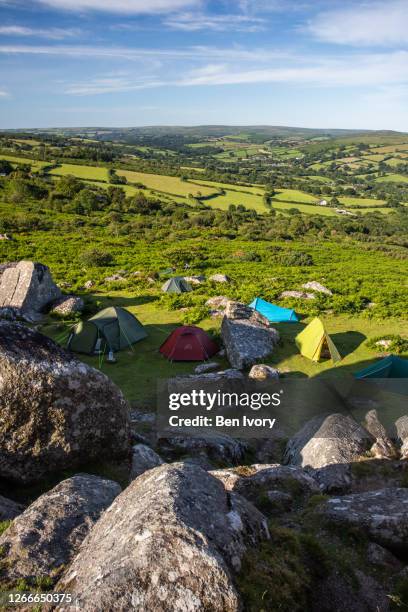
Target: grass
(392, 178)
(360, 201)
(168, 184)
(82, 172)
(34, 163)
(248, 200)
(137, 372)
(305, 208)
(294, 195)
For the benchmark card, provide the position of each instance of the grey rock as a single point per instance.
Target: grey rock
(298, 295)
(237, 310)
(171, 541)
(247, 341)
(114, 278)
(212, 446)
(220, 278)
(335, 478)
(57, 412)
(263, 372)
(194, 280)
(27, 286)
(9, 509)
(315, 286)
(46, 536)
(401, 435)
(89, 284)
(256, 480)
(203, 368)
(383, 447)
(327, 440)
(144, 458)
(218, 302)
(380, 556)
(381, 515)
(67, 305)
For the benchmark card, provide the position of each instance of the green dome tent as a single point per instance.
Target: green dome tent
(111, 329)
(176, 285)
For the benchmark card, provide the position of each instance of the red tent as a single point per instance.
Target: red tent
(188, 343)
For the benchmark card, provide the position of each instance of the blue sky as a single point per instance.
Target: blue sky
(310, 63)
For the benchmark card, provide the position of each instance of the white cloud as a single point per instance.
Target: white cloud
(372, 23)
(4, 94)
(122, 6)
(105, 85)
(192, 22)
(51, 33)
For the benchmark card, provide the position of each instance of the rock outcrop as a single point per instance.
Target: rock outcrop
(144, 458)
(171, 541)
(247, 335)
(28, 286)
(328, 440)
(9, 509)
(381, 515)
(211, 446)
(315, 286)
(263, 372)
(56, 411)
(401, 435)
(383, 447)
(297, 295)
(220, 278)
(68, 305)
(255, 482)
(46, 536)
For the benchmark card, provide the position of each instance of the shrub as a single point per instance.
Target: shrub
(395, 344)
(96, 257)
(195, 315)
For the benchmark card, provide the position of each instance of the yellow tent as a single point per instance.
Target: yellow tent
(314, 340)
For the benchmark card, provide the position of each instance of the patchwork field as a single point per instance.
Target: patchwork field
(82, 172)
(167, 184)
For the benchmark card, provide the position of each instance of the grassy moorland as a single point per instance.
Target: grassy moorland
(255, 219)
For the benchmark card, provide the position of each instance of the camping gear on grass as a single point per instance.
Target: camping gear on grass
(389, 367)
(274, 314)
(176, 285)
(189, 343)
(314, 342)
(111, 329)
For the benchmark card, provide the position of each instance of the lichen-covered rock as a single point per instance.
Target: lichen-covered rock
(335, 478)
(238, 311)
(204, 368)
(213, 446)
(381, 515)
(89, 284)
(194, 280)
(57, 412)
(383, 447)
(144, 458)
(45, 537)
(297, 295)
(220, 278)
(256, 481)
(67, 305)
(315, 286)
(247, 340)
(263, 372)
(9, 509)
(28, 286)
(171, 541)
(327, 440)
(401, 435)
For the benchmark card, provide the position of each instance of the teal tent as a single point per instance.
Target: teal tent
(176, 285)
(389, 367)
(275, 314)
(111, 329)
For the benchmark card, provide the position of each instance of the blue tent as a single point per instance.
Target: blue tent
(389, 367)
(274, 313)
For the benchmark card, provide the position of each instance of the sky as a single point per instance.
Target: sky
(123, 63)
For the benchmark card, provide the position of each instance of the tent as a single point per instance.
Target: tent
(111, 329)
(389, 367)
(176, 285)
(274, 313)
(189, 343)
(314, 341)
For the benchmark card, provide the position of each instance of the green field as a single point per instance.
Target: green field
(95, 173)
(360, 201)
(249, 200)
(308, 209)
(392, 178)
(294, 195)
(167, 184)
(34, 163)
